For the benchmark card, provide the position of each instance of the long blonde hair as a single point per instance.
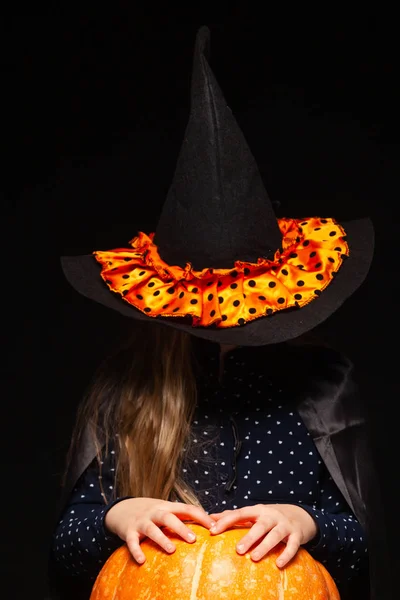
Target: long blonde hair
(142, 400)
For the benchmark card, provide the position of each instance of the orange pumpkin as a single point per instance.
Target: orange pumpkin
(211, 569)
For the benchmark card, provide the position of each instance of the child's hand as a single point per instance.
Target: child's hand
(270, 524)
(136, 518)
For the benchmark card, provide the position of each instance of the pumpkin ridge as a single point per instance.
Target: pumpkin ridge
(282, 585)
(119, 577)
(197, 571)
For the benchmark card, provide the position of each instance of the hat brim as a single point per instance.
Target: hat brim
(83, 273)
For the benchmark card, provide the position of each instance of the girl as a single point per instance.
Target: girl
(210, 411)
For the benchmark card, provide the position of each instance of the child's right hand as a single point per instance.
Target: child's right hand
(134, 519)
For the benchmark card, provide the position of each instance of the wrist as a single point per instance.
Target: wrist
(310, 526)
(312, 529)
(108, 521)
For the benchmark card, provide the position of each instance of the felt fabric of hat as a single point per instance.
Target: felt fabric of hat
(220, 264)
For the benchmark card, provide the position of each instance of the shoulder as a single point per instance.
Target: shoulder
(308, 360)
(326, 362)
(326, 381)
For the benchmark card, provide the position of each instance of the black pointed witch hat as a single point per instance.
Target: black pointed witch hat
(221, 265)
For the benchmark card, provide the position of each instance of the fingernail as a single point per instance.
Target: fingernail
(280, 562)
(213, 528)
(191, 537)
(240, 548)
(255, 555)
(170, 547)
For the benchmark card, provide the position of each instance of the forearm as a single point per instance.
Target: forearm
(81, 542)
(340, 544)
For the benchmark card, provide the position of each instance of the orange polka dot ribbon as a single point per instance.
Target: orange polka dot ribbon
(312, 252)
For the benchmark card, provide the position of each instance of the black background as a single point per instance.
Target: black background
(96, 101)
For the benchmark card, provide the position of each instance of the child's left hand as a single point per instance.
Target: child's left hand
(270, 524)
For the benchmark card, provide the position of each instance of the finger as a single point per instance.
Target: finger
(291, 549)
(132, 541)
(216, 516)
(257, 531)
(171, 521)
(233, 517)
(153, 532)
(276, 535)
(191, 512)
(245, 523)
